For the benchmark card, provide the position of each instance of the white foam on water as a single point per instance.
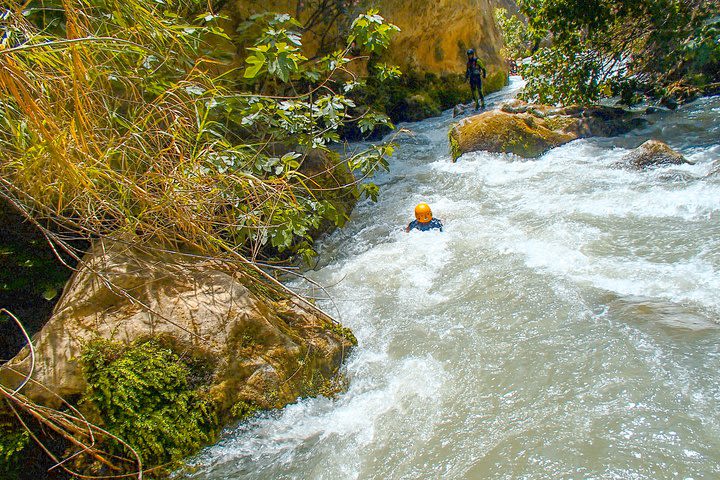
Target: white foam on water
(496, 349)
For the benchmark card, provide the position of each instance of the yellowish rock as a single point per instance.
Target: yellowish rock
(269, 349)
(497, 131)
(529, 130)
(654, 153)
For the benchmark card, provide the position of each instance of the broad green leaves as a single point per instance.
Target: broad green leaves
(277, 52)
(590, 49)
(517, 39)
(371, 32)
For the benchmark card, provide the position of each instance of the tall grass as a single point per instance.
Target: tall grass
(109, 128)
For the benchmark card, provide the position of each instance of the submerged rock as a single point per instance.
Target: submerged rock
(661, 312)
(654, 153)
(529, 130)
(267, 349)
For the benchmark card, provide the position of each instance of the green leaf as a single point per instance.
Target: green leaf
(257, 62)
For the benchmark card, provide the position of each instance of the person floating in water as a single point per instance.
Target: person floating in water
(473, 73)
(424, 220)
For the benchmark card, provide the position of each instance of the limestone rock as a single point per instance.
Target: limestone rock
(265, 348)
(497, 131)
(434, 34)
(653, 153)
(529, 130)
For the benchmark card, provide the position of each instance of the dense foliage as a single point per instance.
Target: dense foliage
(517, 40)
(144, 394)
(133, 119)
(586, 50)
(129, 116)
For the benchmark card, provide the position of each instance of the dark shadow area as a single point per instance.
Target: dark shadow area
(31, 278)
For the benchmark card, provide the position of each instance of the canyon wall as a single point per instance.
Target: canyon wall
(435, 33)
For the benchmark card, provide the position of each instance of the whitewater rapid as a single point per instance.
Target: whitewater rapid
(563, 326)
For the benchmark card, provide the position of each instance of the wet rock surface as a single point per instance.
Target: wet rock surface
(654, 153)
(530, 130)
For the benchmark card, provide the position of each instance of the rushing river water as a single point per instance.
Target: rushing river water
(563, 326)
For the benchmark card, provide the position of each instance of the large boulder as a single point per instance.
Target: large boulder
(653, 153)
(266, 348)
(497, 131)
(529, 130)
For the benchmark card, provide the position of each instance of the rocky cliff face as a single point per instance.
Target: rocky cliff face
(435, 33)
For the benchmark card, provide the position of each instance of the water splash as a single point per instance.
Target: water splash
(563, 325)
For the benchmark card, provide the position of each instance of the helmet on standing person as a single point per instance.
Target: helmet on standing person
(423, 213)
(470, 52)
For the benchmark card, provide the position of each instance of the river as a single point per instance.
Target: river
(563, 326)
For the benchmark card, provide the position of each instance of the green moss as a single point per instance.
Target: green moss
(315, 384)
(144, 394)
(412, 97)
(559, 122)
(454, 145)
(419, 106)
(343, 332)
(495, 81)
(243, 410)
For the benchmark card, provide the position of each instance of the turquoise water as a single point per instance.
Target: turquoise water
(564, 326)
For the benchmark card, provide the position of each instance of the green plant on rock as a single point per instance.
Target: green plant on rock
(243, 410)
(316, 384)
(142, 394)
(343, 332)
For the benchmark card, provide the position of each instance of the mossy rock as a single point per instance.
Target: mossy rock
(501, 132)
(418, 107)
(495, 81)
(195, 336)
(530, 130)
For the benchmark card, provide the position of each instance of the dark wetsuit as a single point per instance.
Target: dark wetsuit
(475, 72)
(424, 227)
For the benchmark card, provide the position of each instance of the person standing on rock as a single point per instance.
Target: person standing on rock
(475, 72)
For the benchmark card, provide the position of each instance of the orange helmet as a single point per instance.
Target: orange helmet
(423, 213)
